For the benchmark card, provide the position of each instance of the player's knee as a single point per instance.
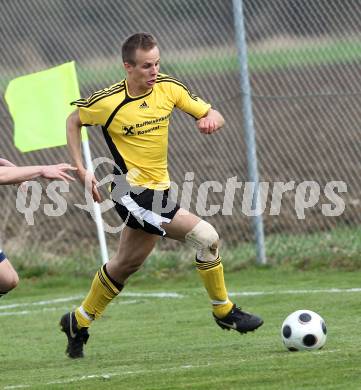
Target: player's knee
(9, 278)
(14, 280)
(10, 281)
(203, 235)
(205, 239)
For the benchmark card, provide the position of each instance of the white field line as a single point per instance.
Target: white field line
(290, 292)
(47, 309)
(77, 297)
(41, 303)
(172, 295)
(153, 295)
(179, 296)
(142, 372)
(108, 376)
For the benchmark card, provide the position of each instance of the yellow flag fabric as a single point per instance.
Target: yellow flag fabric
(39, 104)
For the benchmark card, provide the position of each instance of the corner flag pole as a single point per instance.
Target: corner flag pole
(97, 211)
(39, 116)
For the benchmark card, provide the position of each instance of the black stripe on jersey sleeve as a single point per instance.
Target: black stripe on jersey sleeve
(105, 92)
(85, 102)
(175, 81)
(79, 102)
(170, 78)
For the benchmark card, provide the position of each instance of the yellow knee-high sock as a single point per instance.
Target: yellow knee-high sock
(102, 291)
(211, 273)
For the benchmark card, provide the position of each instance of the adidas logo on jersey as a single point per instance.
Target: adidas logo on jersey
(144, 105)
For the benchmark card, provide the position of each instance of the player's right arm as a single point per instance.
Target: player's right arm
(93, 111)
(73, 134)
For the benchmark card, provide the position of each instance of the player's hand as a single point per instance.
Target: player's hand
(90, 182)
(211, 122)
(58, 171)
(207, 125)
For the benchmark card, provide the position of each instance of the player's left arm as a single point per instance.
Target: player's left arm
(6, 163)
(208, 120)
(211, 122)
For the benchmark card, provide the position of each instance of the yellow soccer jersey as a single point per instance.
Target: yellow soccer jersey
(136, 127)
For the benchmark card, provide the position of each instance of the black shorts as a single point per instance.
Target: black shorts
(2, 256)
(146, 209)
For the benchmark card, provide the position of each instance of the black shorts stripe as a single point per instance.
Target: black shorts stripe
(154, 202)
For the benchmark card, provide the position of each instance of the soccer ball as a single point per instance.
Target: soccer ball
(304, 330)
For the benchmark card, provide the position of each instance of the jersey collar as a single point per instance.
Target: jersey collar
(138, 96)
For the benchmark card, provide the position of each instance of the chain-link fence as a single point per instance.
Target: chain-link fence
(304, 59)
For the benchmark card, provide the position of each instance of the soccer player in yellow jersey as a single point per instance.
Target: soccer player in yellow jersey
(11, 174)
(134, 115)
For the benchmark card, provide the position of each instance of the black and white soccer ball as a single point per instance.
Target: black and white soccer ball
(304, 330)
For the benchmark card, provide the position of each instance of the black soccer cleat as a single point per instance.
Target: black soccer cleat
(76, 337)
(239, 320)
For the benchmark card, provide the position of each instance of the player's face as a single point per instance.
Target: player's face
(144, 73)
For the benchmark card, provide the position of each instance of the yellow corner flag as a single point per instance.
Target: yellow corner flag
(39, 104)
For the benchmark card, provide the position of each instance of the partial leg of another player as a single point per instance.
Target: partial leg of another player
(8, 276)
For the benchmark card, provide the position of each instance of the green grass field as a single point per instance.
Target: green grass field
(149, 341)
